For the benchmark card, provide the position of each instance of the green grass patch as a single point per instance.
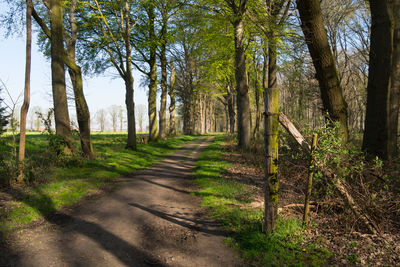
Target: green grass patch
(66, 185)
(227, 199)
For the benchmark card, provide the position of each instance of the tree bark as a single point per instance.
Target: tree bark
(271, 101)
(129, 94)
(153, 81)
(164, 87)
(380, 137)
(75, 73)
(395, 81)
(172, 128)
(324, 63)
(243, 100)
(61, 114)
(25, 106)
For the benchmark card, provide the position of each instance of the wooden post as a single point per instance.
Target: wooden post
(309, 181)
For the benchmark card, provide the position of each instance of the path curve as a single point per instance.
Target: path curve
(151, 220)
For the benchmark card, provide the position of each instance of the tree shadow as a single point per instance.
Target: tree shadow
(124, 251)
(200, 225)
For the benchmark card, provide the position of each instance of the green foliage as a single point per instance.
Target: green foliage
(227, 201)
(333, 155)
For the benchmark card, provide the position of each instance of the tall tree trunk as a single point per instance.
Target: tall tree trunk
(82, 112)
(271, 123)
(164, 87)
(172, 127)
(25, 106)
(75, 73)
(61, 114)
(243, 101)
(382, 94)
(153, 81)
(257, 99)
(231, 110)
(324, 63)
(129, 95)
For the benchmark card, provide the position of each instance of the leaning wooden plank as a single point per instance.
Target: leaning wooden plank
(289, 126)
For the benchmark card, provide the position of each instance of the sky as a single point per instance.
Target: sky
(101, 92)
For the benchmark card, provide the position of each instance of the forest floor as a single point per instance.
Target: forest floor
(151, 219)
(331, 228)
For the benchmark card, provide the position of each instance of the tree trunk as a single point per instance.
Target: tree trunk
(271, 101)
(231, 109)
(153, 82)
(129, 94)
(257, 99)
(25, 106)
(82, 112)
(172, 128)
(324, 63)
(395, 81)
(243, 101)
(382, 90)
(163, 107)
(75, 73)
(61, 114)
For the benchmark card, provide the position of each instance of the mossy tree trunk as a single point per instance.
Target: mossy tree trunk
(271, 123)
(316, 37)
(61, 115)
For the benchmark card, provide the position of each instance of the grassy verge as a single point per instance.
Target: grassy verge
(227, 199)
(68, 184)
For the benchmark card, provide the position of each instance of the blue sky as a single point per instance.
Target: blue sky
(100, 92)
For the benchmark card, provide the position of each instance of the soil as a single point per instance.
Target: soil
(151, 219)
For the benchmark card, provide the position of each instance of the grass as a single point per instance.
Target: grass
(64, 186)
(226, 200)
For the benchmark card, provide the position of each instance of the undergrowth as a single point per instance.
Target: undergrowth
(227, 199)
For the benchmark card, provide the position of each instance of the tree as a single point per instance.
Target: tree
(171, 92)
(145, 43)
(140, 114)
(381, 122)
(110, 39)
(101, 118)
(326, 73)
(113, 110)
(25, 106)
(75, 73)
(243, 102)
(61, 114)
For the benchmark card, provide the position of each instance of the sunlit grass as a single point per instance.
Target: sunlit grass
(67, 185)
(226, 200)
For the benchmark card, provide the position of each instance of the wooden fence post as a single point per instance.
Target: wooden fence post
(309, 181)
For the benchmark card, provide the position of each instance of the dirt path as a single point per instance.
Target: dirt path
(151, 220)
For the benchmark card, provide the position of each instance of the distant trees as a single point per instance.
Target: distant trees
(4, 119)
(114, 110)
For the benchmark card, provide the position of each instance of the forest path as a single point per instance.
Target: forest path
(151, 220)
